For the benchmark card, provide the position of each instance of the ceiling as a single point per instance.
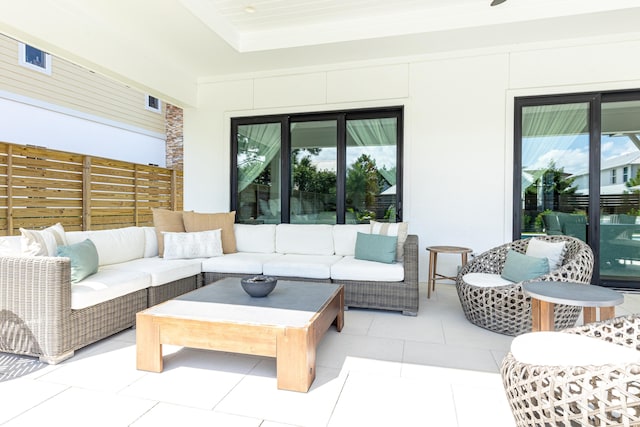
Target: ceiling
(166, 46)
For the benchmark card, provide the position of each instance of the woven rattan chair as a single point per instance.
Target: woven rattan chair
(605, 395)
(506, 309)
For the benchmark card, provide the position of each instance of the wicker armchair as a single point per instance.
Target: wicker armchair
(506, 309)
(605, 395)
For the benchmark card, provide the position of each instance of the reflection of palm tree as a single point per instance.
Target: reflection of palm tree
(362, 183)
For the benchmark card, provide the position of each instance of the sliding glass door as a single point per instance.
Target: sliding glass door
(620, 190)
(576, 172)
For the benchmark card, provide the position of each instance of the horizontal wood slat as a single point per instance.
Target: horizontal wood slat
(40, 187)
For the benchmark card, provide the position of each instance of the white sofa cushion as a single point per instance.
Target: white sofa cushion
(485, 280)
(106, 285)
(239, 262)
(190, 245)
(260, 238)
(304, 239)
(10, 246)
(560, 349)
(161, 270)
(150, 242)
(114, 246)
(294, 265)
(350, 268)
(344, 237)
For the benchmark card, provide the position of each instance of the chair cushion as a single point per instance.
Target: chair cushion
(349, 268)
(485, 280)
(344, 237)
(376, 247)
(519, 267)
(84, 259)
(150, 242)
(115, 245)
(240, 262)
(293, 265)
(10, 246)
(553, 251)
(194, 221)
(562, 349)
(160, 270)
(260, 238)
(304, 239)
(106, 285)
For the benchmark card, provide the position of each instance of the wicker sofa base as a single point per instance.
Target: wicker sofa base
(162, 293)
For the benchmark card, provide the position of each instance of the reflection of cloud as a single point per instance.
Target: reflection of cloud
(617, 146)
(383, 155)
(570, 160)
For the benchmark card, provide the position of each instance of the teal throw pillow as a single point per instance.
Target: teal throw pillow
(519, 267)
(376, 247)
(84, 259)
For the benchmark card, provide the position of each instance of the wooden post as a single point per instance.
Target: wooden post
(174, 189)
(136, 201)
(86, 193)
(9, 190)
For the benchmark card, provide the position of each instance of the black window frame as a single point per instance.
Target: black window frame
(595, 99)
(341, 117)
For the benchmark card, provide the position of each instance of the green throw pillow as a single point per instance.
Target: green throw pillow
(519, 267)
(84, 259)
(376, 247)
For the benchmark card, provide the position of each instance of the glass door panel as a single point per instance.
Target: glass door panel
(371, 170)
(313, 172)
(259, 176)
(555, 170)
(620, 191)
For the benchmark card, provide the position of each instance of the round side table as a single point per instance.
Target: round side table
(433, 261)
(545, 294)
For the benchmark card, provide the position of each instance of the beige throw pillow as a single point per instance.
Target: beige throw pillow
(43, 242)
(399, 229)
(195, 221)
(166, 221)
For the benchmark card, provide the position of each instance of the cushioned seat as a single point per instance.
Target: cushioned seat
(161, 270)
(349, 268)
(239, 262)
(584, 376)
(107, 285)
(308, 266)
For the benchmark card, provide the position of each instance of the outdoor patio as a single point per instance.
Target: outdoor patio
(384, 369)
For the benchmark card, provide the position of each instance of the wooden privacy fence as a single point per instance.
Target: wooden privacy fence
(40, 187)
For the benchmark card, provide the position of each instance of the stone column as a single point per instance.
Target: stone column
(175, 137)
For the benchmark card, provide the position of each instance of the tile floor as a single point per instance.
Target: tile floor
(384, 369)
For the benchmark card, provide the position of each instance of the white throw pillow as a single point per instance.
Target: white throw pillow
(399, 229)
(199, 244)
(553, 251)
(43, 242)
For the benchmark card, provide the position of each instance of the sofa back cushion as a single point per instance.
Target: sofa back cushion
(260, 238)
(304, 239)
(113, 246)
(344, 237)
(150, 242)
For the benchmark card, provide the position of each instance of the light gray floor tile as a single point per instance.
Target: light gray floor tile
(21, 394)
(164, 414)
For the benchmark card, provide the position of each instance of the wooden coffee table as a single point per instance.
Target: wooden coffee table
(288, 325)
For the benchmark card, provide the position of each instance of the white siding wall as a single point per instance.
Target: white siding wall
(458, 161)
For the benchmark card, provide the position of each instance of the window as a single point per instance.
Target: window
(327, 168)
(568, 150)
(34, 59)
(153, 104)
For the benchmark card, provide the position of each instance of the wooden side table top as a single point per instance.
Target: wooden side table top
(573, 294)
(449, 249)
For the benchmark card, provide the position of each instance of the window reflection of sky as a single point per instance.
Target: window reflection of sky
(575, 157)
(384, 156)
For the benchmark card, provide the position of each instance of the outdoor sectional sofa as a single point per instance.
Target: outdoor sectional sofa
(43, 314)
